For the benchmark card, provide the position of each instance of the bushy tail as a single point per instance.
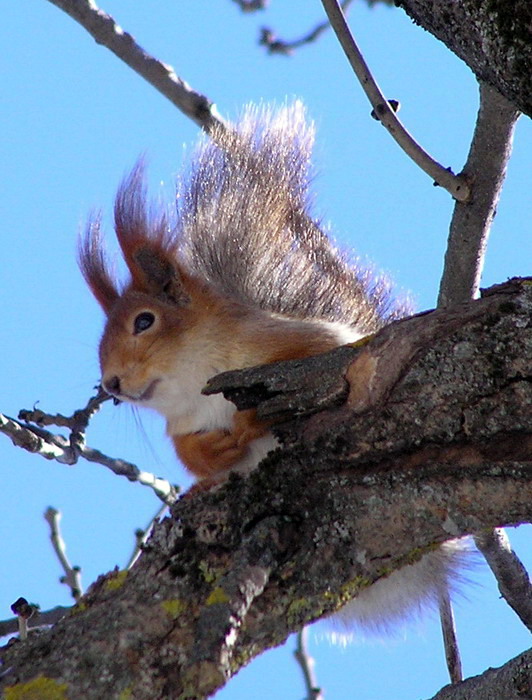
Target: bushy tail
(244, 224)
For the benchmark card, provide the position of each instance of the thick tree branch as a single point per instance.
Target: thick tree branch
(511, 682)
(485, 169)
(108, 33)
(491, 36)
(439, 448)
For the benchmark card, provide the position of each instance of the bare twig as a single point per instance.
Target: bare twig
(77, 422)
(141, 536)
(67, 451)
(306, 663)
(486, 169)
(72, 577)
(511, 575)
(108, 33)
(49, 617)
(274, 44)
(456, 185)
(450, 642)
(23, 610)
(251, 5)
(166, 491)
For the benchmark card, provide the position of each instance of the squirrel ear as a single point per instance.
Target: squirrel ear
(147, 242)
(155, 273)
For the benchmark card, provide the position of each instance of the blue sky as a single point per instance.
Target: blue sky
(73, 120)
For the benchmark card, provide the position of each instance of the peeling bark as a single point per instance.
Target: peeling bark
(437, 445)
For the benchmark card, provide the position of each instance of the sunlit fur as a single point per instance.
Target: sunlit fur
(244, 276)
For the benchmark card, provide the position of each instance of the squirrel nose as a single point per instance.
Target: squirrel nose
(112, 385)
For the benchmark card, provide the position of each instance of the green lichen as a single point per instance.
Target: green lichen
(126, 694)
(174, 608)
(218, 595)
(116, 580)
(207, 572)
(295, 610)
(40, 688)
(79, 608)
(353, 587)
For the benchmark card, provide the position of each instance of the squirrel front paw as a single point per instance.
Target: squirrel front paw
(211, 452)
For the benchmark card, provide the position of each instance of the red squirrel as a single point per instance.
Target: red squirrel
(244, 276)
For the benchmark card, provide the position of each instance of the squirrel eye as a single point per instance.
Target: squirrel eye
(143, 321)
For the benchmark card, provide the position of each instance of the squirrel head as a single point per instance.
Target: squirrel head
(151, 319)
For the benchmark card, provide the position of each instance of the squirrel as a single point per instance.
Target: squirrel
(244, 276)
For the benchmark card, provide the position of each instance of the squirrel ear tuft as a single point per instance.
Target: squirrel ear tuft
(147, 242)
(94, 266)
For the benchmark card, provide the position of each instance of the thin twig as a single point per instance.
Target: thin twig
(306, 663)
(274, 44)
(141, 536)
(77, 422)
(450, 641)
(251, 5)
(67, 451)
(512, 577)
(49, 617)
(485, 168)
(72, 577)
(24, 611)
(456, 185)
(108, 33)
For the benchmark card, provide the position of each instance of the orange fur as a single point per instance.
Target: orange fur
(245, 278)
(206, 454)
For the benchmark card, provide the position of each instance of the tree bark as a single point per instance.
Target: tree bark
(492, 36)
(421, 434)
(513, 681)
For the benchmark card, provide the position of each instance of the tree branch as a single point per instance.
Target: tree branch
(511, 575)
(251, 5)
(49, 617)
(450, 641)
(456, 185)
(464, 260)
(491, 36)
(510, 682)
(141, 536)
(280, 46)
(485, 169)
(50, 446)
(437, 449)
(306, 664)
(108, 33)
(72, 576)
